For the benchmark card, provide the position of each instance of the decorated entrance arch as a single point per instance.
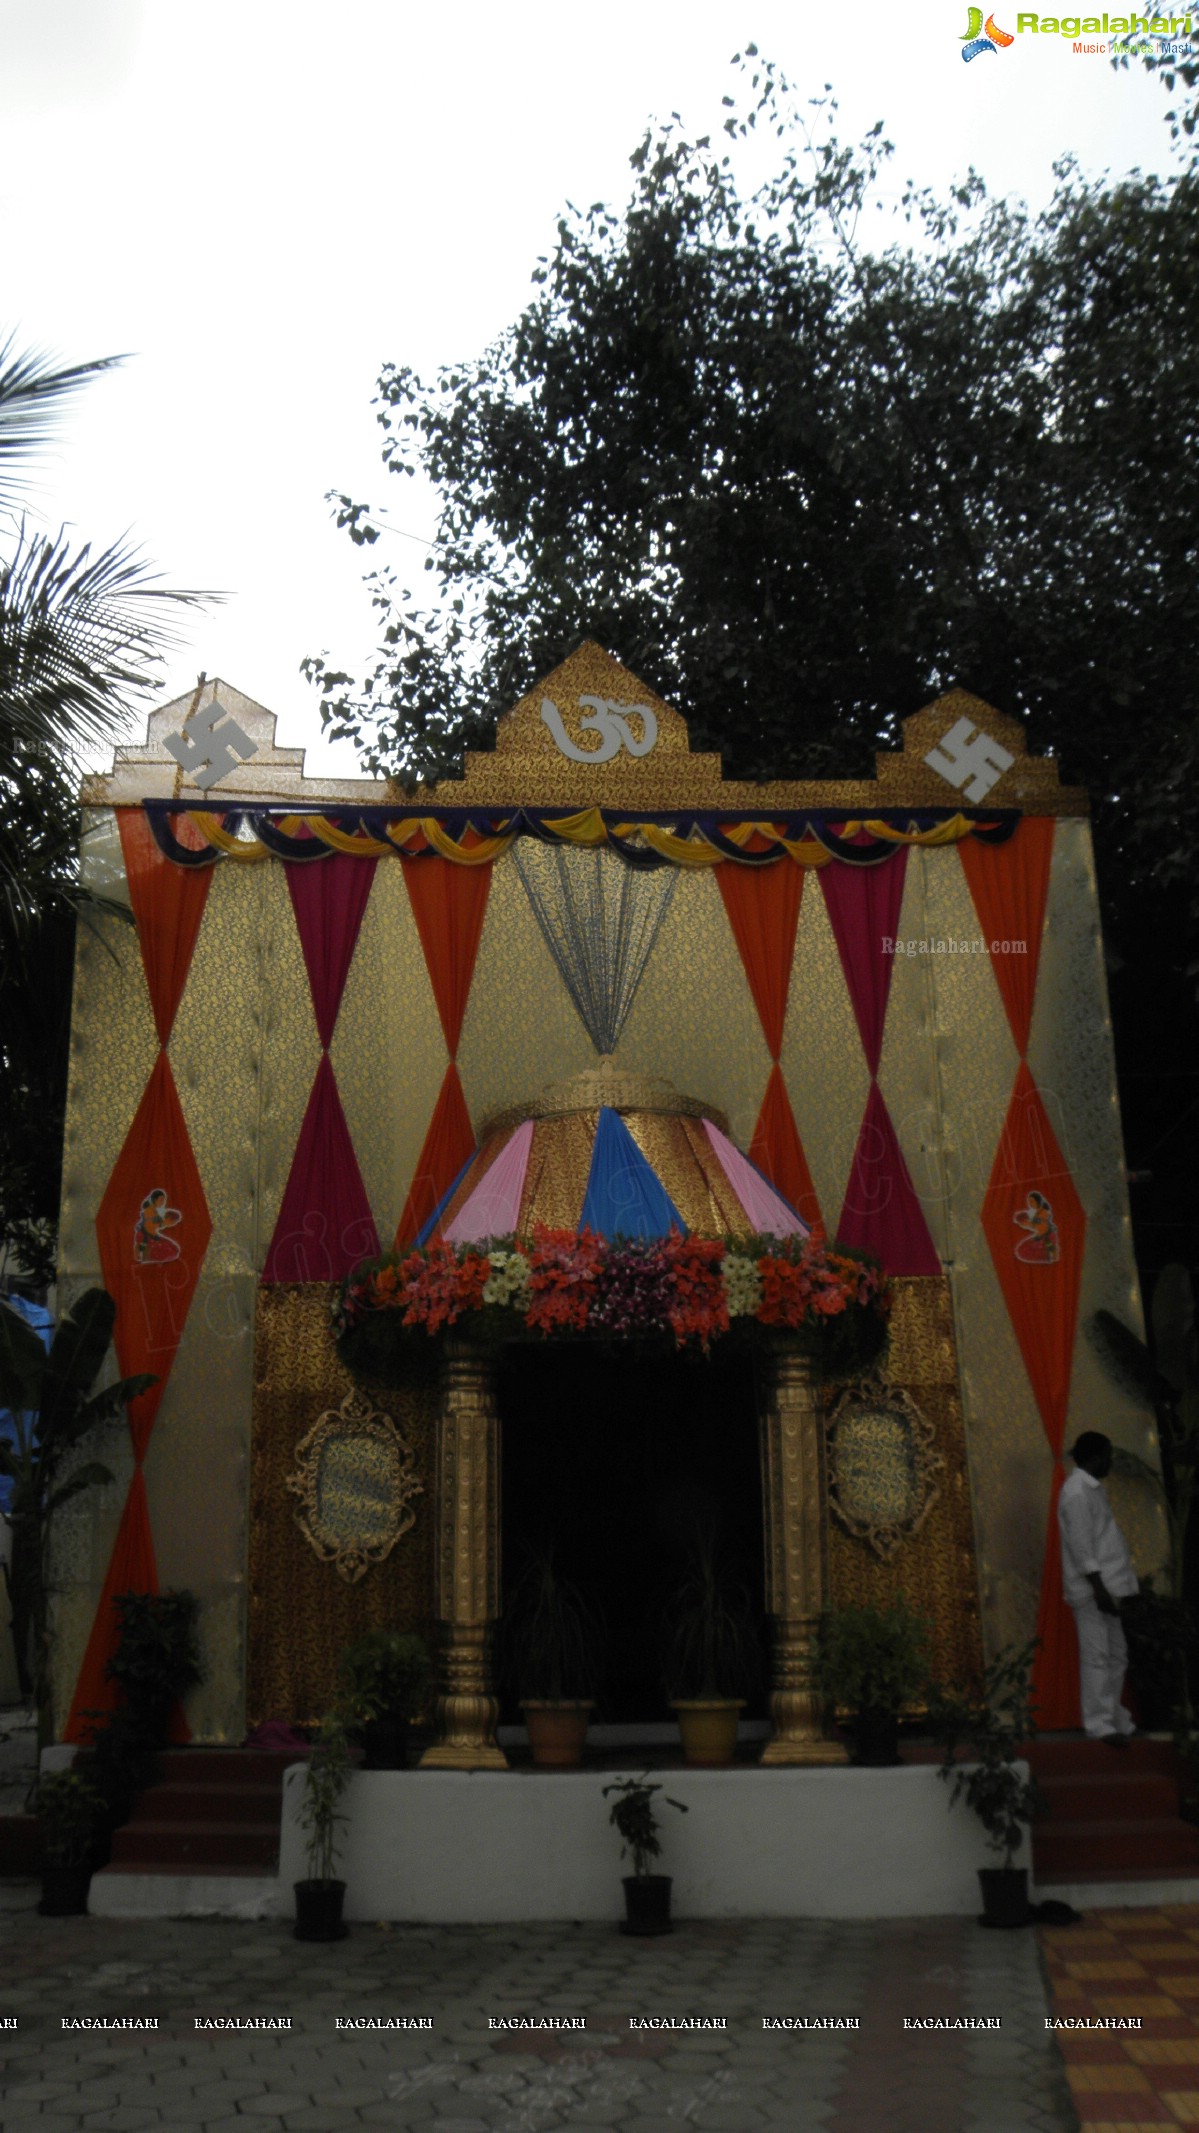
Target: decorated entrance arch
(888, 997)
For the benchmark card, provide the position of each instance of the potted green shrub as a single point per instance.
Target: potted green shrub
(991, 1730)
(711, 1655)
(646, 1895)
(553, 1643)
(384, 1681)
(320, 1898)
(875, 1661)
(71, 1814)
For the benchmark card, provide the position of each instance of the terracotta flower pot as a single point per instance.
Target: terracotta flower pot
(708, 1725)
(557, 1732)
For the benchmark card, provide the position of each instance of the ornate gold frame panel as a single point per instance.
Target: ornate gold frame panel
(302, 1614)
(935, 1570)
(881, 1463)
(355, 1478)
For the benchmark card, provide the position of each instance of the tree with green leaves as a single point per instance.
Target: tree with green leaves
(52, 1400)
(803, 456)
(81, 635)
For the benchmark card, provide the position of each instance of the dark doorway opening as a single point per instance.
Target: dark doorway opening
(616, 1459)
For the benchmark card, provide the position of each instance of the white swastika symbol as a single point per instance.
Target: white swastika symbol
(965, 754)
(211, 745)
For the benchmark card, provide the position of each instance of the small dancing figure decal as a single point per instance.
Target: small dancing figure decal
(151, 1244)
(1039, 1244)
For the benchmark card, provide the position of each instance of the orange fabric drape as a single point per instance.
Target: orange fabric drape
(152, 1227)
(763, 905)
(1009, 885)
(168, 904)
(152, 1277)
(449, 904)
(1032, 1217)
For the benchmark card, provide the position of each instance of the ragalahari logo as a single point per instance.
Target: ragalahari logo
(983, 37)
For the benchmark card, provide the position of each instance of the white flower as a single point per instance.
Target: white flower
(742, 1285)
(508, 1280)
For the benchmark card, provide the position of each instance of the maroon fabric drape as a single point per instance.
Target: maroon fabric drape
(881, 1213)
(325, 1224)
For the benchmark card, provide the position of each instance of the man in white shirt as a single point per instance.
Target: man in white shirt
(1097, 1574)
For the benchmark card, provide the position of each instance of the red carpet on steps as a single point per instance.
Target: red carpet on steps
(209, 1811)
(1111, 1813)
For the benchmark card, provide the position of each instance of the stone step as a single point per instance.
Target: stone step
(1095, 1848)
(191, 1802)
(187, 1845)
(1145, 1795)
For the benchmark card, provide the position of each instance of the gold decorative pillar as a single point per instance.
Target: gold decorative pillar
(793, 1503)
(467, 1574)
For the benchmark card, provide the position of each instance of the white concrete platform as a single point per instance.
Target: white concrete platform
(146, 1894)
(457, 1848)
(1121, 1895)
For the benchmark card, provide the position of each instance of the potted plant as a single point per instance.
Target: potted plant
(319, 1899)
(384, 1681)
(875, 1661)
(53, 1404)
(991, 1730)
(71, 1812)
(553, 1641)
(646, 1895)
(712, 1655)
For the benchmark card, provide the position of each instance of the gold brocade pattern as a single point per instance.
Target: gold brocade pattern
(558, 1168)
(934, 1570)
(680, 1154)
(388, 1051)
(113, 1049)
(822, 1059)
(216, 1058)
(302, 1615)
(907, 1073)
(519, 1030)
(693, 1020)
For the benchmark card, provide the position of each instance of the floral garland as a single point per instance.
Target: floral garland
(566, 1282)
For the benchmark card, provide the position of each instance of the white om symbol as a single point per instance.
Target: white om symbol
(609, 719)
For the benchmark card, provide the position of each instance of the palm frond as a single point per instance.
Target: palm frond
(32, 395)
(80, 637)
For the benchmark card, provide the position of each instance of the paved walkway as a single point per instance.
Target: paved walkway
(461, 2076)
(1130, 1965)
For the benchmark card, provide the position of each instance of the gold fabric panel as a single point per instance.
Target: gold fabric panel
(520, 1029)
(216, 1059)
(1009, 1464)
(908, 1066)
(934, 1571)
(1072, 1060)
(113, 1049)
(302, 1614)
(680, 1153)
(694, 1019)
(556, 1178)
(290, 1048)
(197, 1474)
(822, 1059)
(388, 1051)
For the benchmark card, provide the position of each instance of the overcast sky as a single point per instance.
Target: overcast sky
(261, 203)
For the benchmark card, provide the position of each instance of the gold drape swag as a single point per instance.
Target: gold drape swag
(586, 829)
